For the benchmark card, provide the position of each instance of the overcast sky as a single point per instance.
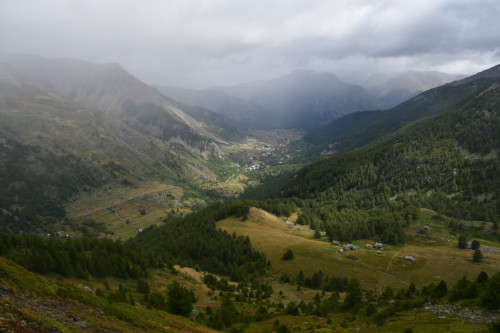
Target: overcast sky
(199, 43)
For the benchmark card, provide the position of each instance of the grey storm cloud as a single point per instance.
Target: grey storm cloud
(204, 42)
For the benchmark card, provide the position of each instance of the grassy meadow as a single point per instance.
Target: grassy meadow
(436, 253)
(124, 211)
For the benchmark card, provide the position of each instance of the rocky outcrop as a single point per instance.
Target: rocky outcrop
(465, 314)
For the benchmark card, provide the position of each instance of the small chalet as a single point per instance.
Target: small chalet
(410, 258)
(350, 247)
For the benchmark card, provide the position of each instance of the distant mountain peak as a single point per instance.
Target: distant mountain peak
(304, 98)
(308, 74)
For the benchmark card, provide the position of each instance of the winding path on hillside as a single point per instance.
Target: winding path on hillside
(386, 277)
(118, 216)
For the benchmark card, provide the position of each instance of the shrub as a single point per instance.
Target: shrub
(482, 277)
(288, 255)
(494, 326)
(292, 309)
(142, 287)
(157, 301)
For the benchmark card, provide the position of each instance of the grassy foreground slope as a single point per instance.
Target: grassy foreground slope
(438, 257)
(269, 295)
(30, 301)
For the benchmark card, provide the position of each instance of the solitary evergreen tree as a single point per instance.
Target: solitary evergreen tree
(462, 242)
(180, 300)
(477, 256)
(354, 294)
(317, 234)
(441, 290)
(300, 278)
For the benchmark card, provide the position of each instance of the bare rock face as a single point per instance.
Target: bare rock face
(203, 148)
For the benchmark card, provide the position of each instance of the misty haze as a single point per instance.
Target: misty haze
(199, 166)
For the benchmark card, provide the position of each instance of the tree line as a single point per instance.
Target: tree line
(192, 241)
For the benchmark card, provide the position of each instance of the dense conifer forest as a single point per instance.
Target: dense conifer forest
(443, 163)
(192, 241)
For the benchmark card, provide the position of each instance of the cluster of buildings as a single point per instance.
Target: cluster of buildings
(378, 246)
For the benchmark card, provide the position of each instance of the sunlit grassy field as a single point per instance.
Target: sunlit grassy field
(119, 209)
(437, 257)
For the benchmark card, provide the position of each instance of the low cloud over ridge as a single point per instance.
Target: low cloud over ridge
(201, 43)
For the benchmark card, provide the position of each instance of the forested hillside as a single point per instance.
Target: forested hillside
(448, 163)
(192, 241)
(348, 124)
(343, 136)
(52, 149)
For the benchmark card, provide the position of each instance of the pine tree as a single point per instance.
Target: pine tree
(441, 290)
(180, 300)
(477, 256)
(354, 294)
(462, 242)
(288, 255)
